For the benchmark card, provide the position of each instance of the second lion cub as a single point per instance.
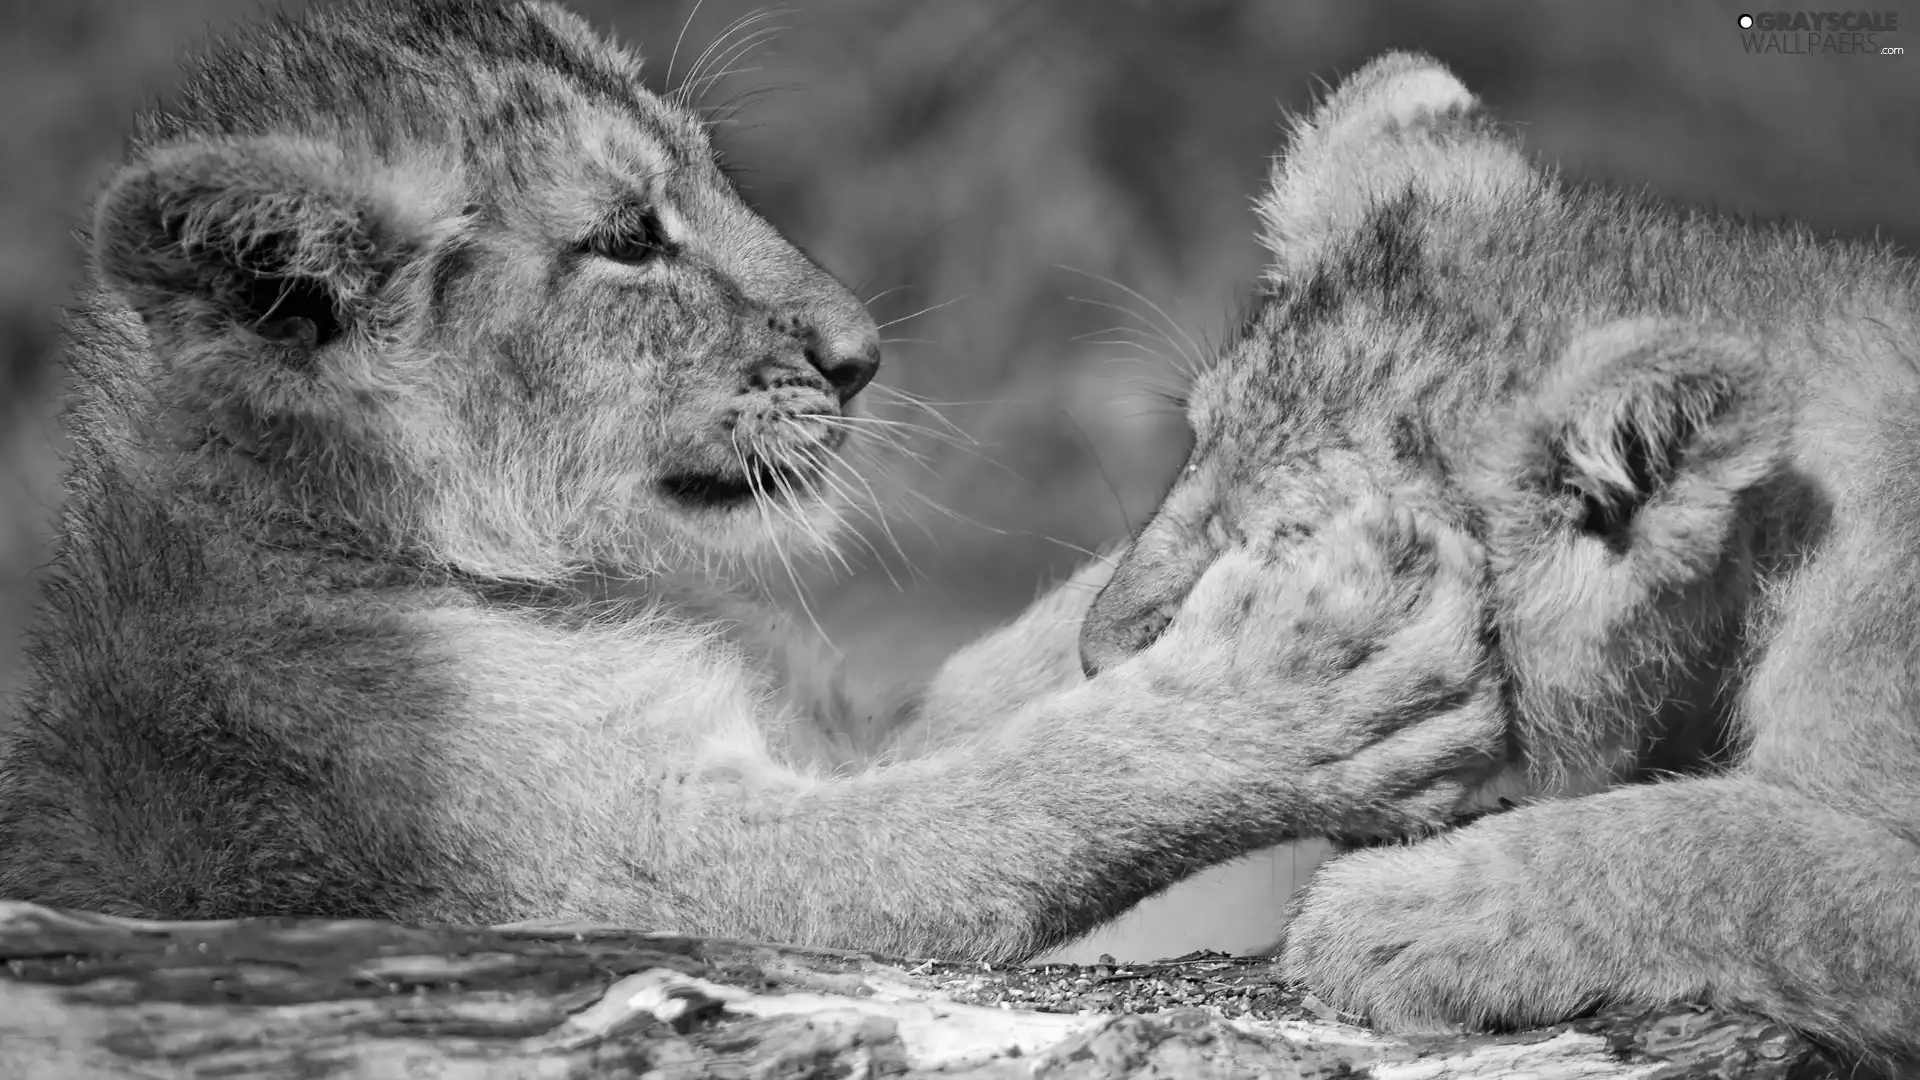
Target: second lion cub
(1691, 451)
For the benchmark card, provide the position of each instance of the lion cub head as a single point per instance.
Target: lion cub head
(1535, 366)
(443, 278)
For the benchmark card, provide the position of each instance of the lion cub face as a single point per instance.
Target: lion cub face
(1277, 455)
(1446, 326)
(453, 279)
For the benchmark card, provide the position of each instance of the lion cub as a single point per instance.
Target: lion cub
(416, 324)
(1691, 451)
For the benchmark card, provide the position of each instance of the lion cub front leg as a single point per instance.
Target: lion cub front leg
(1036, 654)
(1721, 890)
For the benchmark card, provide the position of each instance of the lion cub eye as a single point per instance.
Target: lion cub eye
(634, 237)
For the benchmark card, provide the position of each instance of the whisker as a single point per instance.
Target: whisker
(721, 47)
(1136, 338)
(962, 442)
(903, 448)
(996, 530)
(711, 80)
(917, 244)
(723, 68)
(682, 36)
(917, 401)
(679, 93)
(1197, 353)
(723, 40)
(932, 409)
(883, 293)
(722, 64)
(923, 311)
(823, 546)
(762, 503)
(1126, 520)
(726, 112)
(894, 430)
(1150, 381)
(739, 455)
(1187, 363)
(870, 508)
(951, 436)
(879, 517)
(1029, 533)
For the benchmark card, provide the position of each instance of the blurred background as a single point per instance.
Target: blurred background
(1048, 202)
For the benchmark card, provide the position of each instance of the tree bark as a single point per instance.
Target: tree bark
(94, 996)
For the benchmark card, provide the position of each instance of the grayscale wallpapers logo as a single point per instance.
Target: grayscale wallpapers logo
(1820, 33)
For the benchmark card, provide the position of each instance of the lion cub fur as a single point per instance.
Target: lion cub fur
(1690, 448)
(435, 386)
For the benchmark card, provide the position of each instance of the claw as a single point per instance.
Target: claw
(1404, 525)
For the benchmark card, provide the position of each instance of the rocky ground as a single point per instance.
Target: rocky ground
(85, 996)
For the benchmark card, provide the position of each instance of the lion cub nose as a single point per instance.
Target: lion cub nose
(848, 361)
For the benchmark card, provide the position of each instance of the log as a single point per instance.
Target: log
(88, 995)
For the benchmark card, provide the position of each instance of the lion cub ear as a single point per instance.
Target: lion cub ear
(276, 235)
(1641, 443)
(1401, 120)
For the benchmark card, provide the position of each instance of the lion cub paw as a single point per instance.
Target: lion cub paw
(1433, 937)
(1326, 603)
